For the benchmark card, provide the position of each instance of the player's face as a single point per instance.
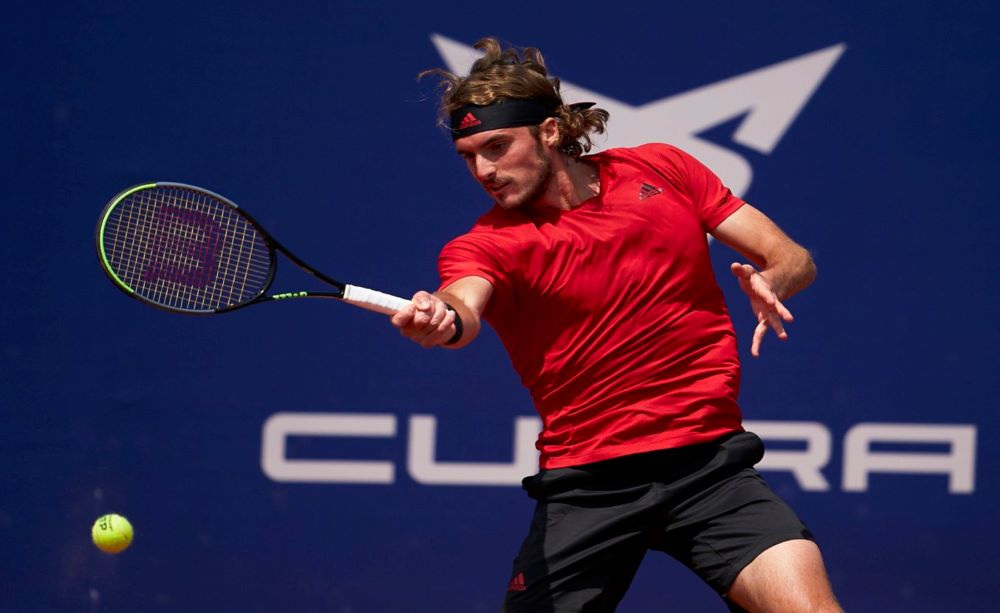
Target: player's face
(511, 164)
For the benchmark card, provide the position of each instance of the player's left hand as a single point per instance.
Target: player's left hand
(770, 312)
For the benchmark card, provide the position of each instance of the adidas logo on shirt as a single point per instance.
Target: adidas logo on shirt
(648, 190)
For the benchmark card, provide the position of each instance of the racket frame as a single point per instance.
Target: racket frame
(273, 246)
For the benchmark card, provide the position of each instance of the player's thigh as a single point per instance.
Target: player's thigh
(787, 577)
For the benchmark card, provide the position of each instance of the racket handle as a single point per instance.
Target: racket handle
(373, 300)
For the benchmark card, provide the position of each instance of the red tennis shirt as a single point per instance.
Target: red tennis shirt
(610, 311)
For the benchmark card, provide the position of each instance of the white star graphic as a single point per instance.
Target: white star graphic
(769, 99)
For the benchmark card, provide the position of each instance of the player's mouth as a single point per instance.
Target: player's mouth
(497, 188)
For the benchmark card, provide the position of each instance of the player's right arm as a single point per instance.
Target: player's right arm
(428, 321)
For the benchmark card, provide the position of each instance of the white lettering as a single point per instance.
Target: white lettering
(806, 464)
(958, 463)
(424, 468)
(280, 426)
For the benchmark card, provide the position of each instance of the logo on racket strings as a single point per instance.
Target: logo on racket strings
(185, 248)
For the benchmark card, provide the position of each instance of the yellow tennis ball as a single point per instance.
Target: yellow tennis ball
(112, 533)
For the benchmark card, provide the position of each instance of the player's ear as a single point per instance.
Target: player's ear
(549, 131)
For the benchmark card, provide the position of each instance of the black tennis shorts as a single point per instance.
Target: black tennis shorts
(704, 505)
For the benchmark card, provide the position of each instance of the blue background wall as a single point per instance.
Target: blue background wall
(309, 116)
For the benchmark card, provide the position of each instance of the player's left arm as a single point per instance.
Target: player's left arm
(780, 268)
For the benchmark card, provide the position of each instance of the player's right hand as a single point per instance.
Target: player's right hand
(426, 321)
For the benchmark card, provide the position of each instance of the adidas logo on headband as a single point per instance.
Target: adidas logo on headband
(469, 121)
(504, 113)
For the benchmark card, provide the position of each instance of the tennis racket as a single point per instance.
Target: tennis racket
(189, 250)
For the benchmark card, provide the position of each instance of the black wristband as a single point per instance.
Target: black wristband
(458, 326)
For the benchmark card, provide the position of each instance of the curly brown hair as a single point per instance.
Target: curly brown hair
(517, 73)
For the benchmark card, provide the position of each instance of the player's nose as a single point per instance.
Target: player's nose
(485, 170)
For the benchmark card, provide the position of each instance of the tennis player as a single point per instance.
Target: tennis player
(594, 270)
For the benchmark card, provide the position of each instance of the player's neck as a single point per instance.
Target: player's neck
(574, 181)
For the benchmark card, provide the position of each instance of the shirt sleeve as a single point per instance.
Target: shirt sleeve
(467, 256)
(713, 202)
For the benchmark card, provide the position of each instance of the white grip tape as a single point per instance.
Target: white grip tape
(373, 301)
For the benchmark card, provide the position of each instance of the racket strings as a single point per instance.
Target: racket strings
(185, 249)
